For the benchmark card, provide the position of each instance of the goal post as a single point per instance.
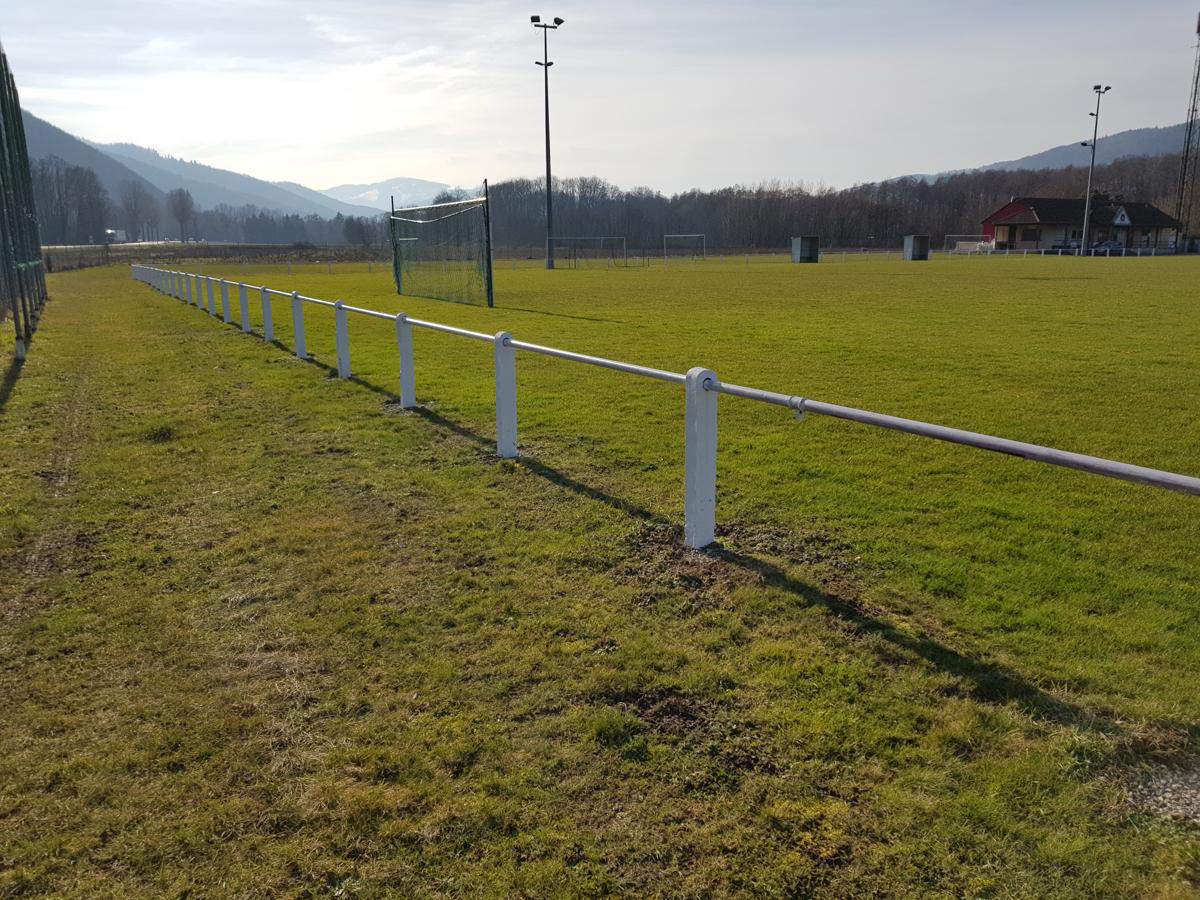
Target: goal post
(444, 251)
(693, 246)
(578, 250)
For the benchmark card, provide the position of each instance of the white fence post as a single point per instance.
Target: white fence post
(212, 306)
(342, 334)
(700, 459)
(243, 306)
(404, 344)
(506, 397)
(268, 320)
(188, 281)
(298, 325)
(225, 316)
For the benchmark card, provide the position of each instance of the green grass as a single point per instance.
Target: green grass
(262, 634)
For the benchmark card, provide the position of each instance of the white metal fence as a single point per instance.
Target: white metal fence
(701, 387)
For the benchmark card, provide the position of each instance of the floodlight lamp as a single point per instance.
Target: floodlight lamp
(1096, 87)
(535, 19)
(1107, 88)
(557, 21)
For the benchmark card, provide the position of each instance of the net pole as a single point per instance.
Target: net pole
(487, 239)
(395, 255)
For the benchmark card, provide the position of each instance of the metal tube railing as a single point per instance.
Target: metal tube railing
(701, 385)
(1094, 464)
(632, 369)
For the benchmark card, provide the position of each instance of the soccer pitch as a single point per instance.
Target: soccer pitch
(262, 629)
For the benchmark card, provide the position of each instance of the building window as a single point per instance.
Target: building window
(1029, 234)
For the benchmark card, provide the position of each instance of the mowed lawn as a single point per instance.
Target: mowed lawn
(261, 633)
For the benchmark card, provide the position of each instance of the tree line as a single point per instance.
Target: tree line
(74, 208)
(768, 215)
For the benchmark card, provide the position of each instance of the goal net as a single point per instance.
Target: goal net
(968, 243)
(687, 246)
(444, 251)
(596, 252)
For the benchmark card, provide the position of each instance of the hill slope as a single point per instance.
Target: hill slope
(45, 140)
(212, 187)
(1136, 142)
(407, 191)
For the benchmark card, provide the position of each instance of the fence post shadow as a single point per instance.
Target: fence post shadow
(984, 680)
(11, 374)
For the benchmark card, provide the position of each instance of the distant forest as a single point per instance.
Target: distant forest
(768, 215)
(74, 208)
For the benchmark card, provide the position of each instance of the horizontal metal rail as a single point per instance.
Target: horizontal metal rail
(632, 369)
(701, 387)
(369, 312)
(1094, 464)
(451, 329)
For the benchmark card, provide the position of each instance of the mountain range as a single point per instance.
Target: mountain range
(115, 164)
(211, 187)
(405, 191)
(1136, 142)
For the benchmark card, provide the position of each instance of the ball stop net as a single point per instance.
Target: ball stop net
(444, 251)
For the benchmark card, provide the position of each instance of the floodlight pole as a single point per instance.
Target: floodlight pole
(546, 64)
(1087, 203)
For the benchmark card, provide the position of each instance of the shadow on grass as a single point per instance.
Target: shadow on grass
(546, 312)
(11, 374)
(985, 681)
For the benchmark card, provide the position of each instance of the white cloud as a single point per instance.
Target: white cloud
(671, 95)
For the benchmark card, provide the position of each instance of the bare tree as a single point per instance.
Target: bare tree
(182, 208)
(135, 206)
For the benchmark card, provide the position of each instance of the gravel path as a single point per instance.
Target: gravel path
(1168, 791)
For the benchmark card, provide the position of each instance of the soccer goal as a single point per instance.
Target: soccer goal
(968, 243)
(444, 251)
(587, 251)
(687, 246)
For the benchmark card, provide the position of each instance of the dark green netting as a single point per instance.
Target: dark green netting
(22, 281)
(444, 251)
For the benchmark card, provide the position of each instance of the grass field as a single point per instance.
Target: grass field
(261, 633)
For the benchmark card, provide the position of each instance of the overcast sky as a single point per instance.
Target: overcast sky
(671, 95)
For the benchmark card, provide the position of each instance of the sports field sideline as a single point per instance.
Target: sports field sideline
(261, 629)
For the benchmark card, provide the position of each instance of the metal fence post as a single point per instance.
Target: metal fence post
(225, 316)
(404, 344)
(243, 306)
(506, 397)
(212, 306)
(700, 458)
(268, 320)
(342, 335)
(188, 281)
(298, 325)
